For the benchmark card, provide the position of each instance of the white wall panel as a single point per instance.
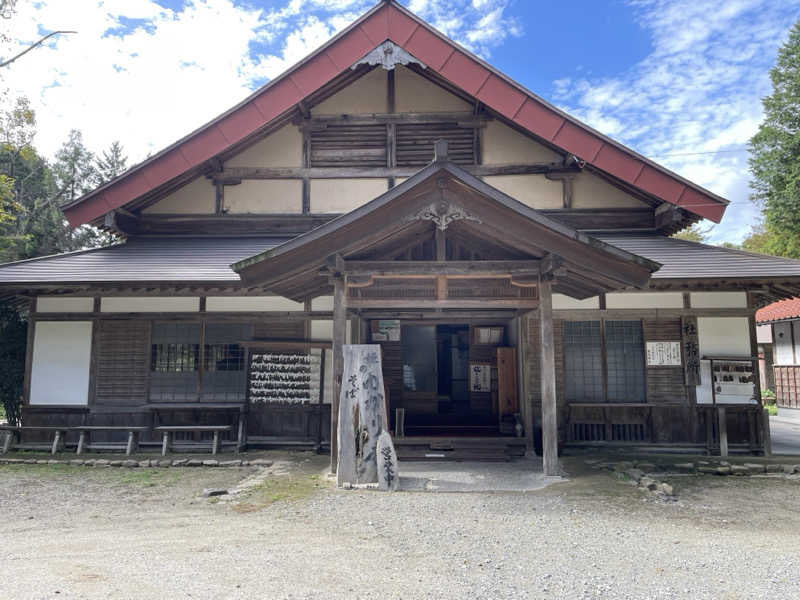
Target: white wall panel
(783, 344)
(719, 299)
(724, 336)
(133, 304)
(45, 304)
(251, 304)
(60, 369)
(645, 300)
(562, 302)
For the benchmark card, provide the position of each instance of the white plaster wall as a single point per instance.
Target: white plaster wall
(414, 93)
(796, 326)
(366, 95)
(764, 334)
(322, 331)
(283, 148)
(46, 304)
(265, 196)
(591, 191)
(645, 300)
(719, 299)
(501, 144)
(724, 336)
(126, 304)
(344, 195)
(196, 197)
(533, 190)
(562, 302)
(62, 353)
(783, 343)
(251, 304)
(322, 303)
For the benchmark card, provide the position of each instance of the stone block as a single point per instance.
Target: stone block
(130, 464)
(144, 463)
(194, 462)
(230, 463)
(739, 470)
(723, 470)
(164, 463)
(115, 463)
(210, 463)
(774, 468)
(667, 489)
(754, 468)
(686, 467)
(102, 462)
(635, 474)
(76, 463)
(707, 469)
(181, 462)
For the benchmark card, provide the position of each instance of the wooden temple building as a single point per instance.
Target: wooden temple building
(515, 266)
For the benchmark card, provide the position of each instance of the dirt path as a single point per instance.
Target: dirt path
(110, 533)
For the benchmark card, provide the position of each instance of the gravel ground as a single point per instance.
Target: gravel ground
(111, 533)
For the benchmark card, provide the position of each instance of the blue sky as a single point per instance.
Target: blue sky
(678, 80)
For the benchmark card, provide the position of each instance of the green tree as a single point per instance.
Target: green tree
(111, 164)
(775, 155)
(695, 233)
(14, 333)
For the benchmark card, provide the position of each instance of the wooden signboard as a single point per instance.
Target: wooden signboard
(480, 378)
(664, 354)
(284, 377)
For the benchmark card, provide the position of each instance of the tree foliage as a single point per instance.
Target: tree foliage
(14, 333)
(695, 233)
(32, 191)
(775, 156)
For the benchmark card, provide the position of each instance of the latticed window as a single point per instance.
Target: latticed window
(625, 361)
(590, 378)
(583, 361)
(224, 364)
(174, 361)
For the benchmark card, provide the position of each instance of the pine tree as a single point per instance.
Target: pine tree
(111, 164)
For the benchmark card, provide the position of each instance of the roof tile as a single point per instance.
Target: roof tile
(429, 48)
(501, 96)
(779, 311)
(465, 72)
(578, 141)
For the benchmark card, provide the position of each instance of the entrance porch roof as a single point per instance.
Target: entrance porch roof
(446, 197)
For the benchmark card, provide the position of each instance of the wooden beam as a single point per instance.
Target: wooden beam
(465, 268)
(466, 119)
(339, 333)
(234, 175)
(548, 380)
(430, 303)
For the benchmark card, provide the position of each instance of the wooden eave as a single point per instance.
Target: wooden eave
(585, 266)
(388, 20)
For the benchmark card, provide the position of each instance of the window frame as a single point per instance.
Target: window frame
(604, 360)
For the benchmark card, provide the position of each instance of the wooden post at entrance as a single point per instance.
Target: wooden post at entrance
(339, 333)
(548, 375)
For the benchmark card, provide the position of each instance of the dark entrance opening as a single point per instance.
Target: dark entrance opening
(436, 392)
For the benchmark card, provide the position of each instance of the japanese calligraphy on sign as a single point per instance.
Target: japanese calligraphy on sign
(664, 354)
(691, 350)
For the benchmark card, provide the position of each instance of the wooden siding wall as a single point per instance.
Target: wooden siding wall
(122, 358)
(787, 386)
(665, 385)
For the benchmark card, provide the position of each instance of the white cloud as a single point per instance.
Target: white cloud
(698, 91)
(148, 75)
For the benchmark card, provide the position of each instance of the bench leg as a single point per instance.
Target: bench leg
(131, 446)
(8, 442)
(58, 441)
(81, 442)
(215, 443)
(240, 439)
(165, 443)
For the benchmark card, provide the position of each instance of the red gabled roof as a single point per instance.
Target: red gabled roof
(390, 21)
(779, 311)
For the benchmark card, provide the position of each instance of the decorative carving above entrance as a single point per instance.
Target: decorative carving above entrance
(388, 55)
(442, 213)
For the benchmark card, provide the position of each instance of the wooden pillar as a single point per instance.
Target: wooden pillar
(339, 333)
(548, 378)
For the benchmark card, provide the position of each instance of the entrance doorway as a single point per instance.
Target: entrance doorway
(446, 377)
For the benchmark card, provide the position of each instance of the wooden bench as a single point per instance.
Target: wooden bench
(168, 430)
(13, 433)
(132, 445)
